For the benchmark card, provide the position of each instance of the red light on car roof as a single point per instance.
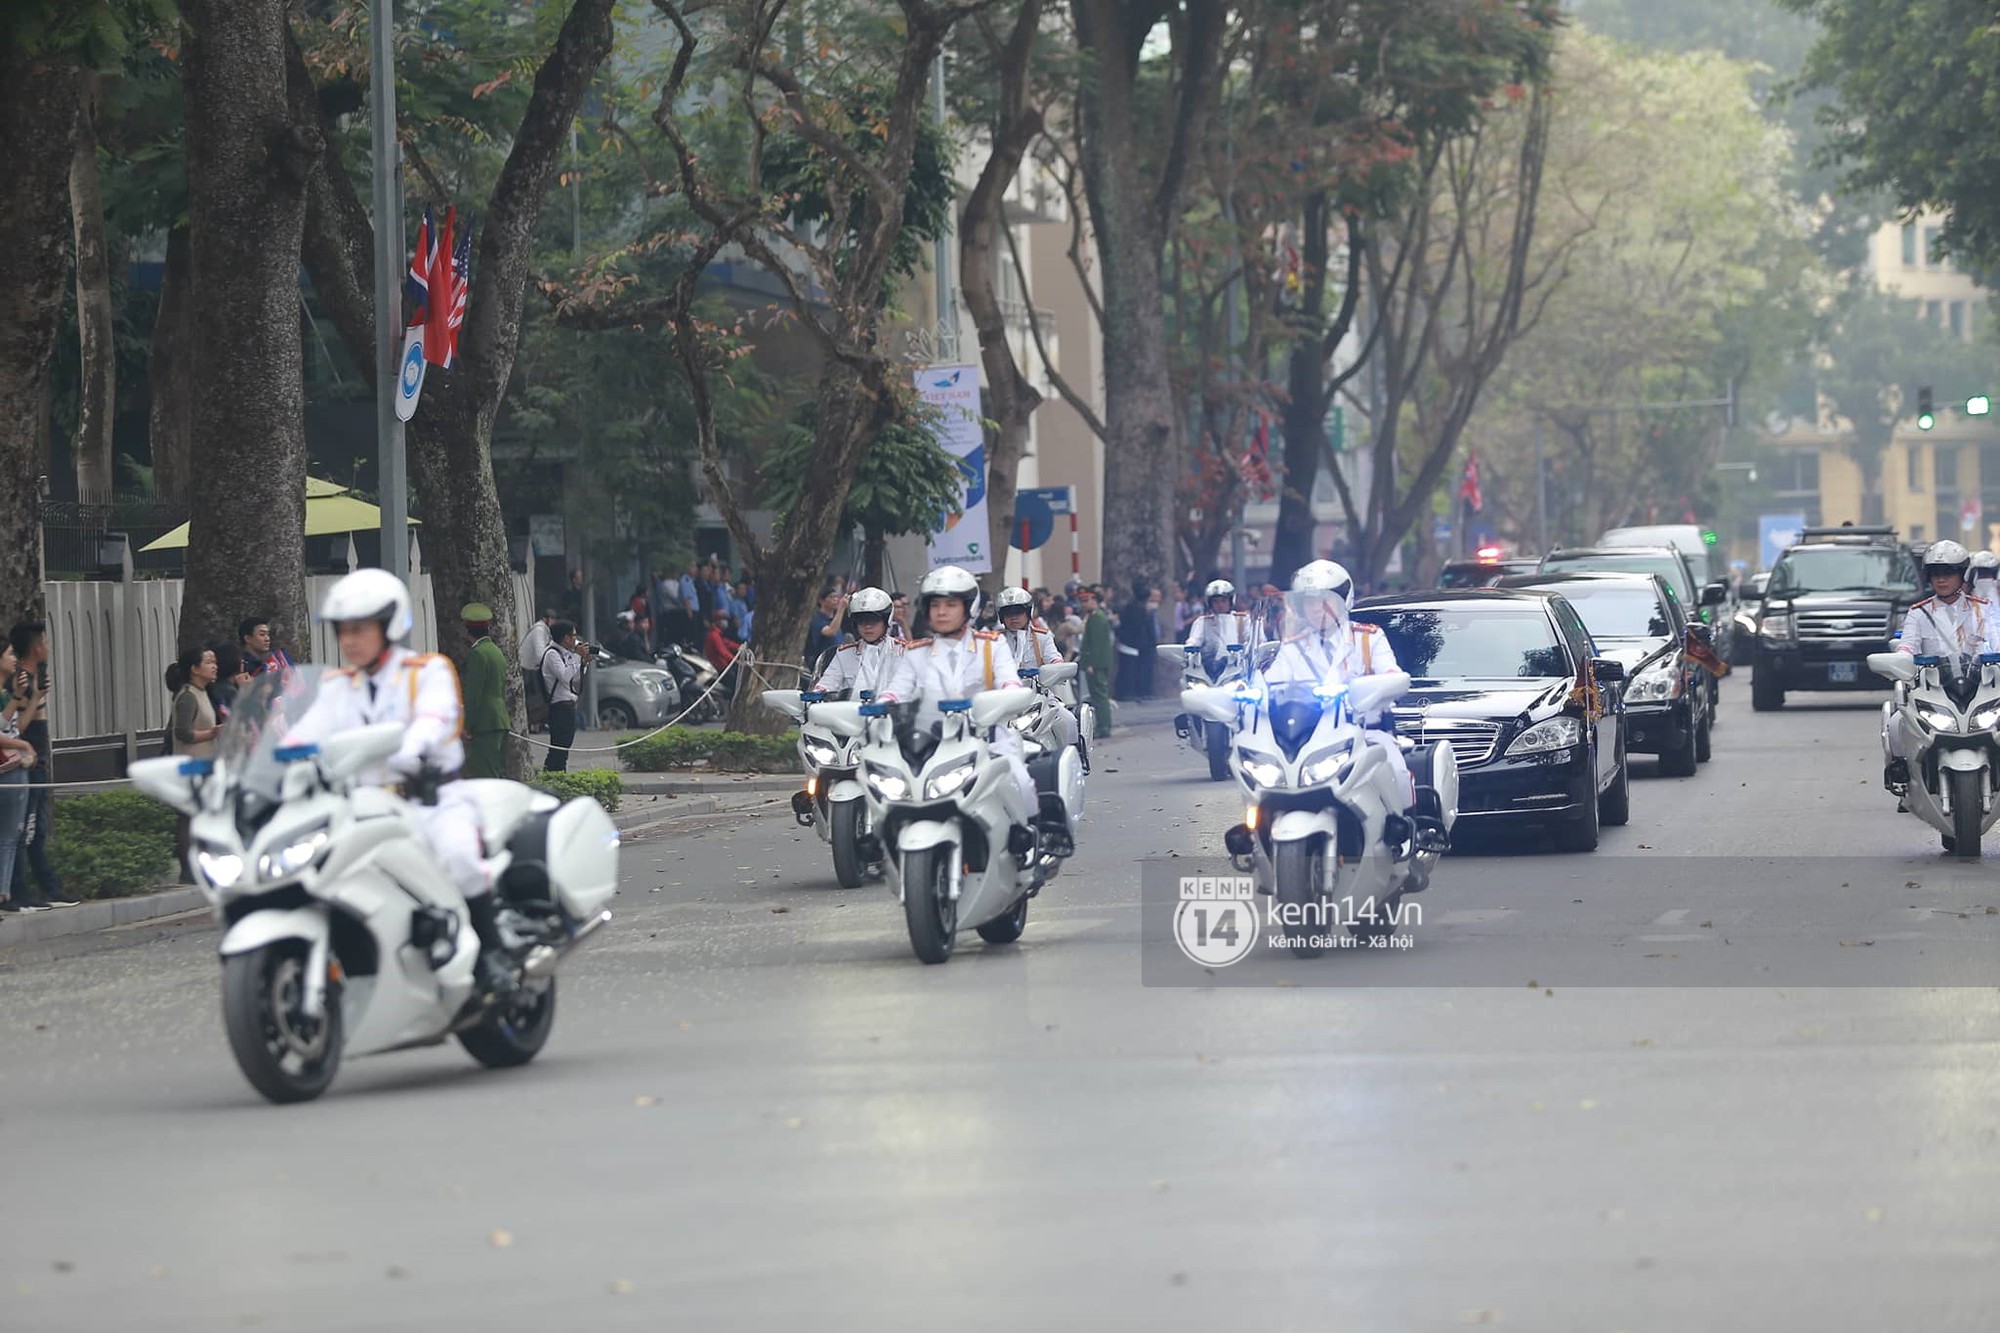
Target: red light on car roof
(1489, 553)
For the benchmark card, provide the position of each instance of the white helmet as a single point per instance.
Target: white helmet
(1319, 596)
(948, 581)
(1219, 588)
(1011, 597)
(370, 594)
(1947, 555)
(869, 602)
(1986, 565)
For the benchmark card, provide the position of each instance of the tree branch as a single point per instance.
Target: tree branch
(1057, 379)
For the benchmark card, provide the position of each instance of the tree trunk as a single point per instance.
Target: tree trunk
(169, 418)
(247, 165)
(874, 556)
(97, 402)
(39, 101)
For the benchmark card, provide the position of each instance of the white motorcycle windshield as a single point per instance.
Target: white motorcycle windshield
(260, 718)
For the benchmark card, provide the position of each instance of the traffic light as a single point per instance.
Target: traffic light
(1978, 405)
(1926, 413)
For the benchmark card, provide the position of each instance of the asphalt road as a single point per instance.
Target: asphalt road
(1741, 1094)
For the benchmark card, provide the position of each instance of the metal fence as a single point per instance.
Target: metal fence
(77, 535)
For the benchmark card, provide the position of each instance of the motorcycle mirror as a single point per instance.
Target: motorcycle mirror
(1369, 693)
(1900, 667)
(167, 780)
(989, 708)
(349, 753)
(792, 703)
(1211, 704)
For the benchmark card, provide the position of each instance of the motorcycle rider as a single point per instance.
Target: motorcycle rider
(1952, 623)
(384, 681)
(1219, 625)
(1325, 648)
(1033, 644)
(1985, 573)
(956, 661)
(869, 657)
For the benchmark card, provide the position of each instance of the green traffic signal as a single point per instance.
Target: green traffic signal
(1926, 409)
(1925, 421)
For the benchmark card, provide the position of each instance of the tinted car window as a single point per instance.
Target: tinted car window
(1612, 611)
(1668, 567)
(1842, 569)
(1488, 642)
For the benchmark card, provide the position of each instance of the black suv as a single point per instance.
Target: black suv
(1831, 600)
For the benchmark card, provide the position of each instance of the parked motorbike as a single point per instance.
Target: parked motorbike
(831, 801)
(1324, 831)
(693, 675)
(1948, 713)
(949, 821)
(1205, 736)
(344, 935)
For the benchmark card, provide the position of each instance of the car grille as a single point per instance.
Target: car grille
(1861, 622)
(1472, 742)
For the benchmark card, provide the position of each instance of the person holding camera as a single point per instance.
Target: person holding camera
(563, 663)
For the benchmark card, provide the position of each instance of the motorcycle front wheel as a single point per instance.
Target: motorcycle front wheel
(928, 908)
(1299, 867)
(1965, 815)
(514, 1033)
(1218, 752)
(285, 1055)
(848, 867)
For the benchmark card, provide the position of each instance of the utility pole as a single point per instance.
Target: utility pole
(392, 465)
(947, 299)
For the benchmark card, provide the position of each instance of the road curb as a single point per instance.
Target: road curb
(101, 914)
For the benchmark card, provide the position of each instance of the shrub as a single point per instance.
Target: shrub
(723, 751)
(112, 844)
(599, 784)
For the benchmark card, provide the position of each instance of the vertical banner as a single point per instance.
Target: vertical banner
(954, 392)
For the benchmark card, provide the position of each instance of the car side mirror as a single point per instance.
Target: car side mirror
(1607, 671)
(1714, 594)
(1703, 632)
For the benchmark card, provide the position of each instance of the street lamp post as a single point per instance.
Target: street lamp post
(388, 173)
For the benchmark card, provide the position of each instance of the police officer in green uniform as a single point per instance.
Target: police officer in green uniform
(484, 684)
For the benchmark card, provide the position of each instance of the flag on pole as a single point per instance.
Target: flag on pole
(417, 284)
(1468, 485)
(461, 286)
(437, 311)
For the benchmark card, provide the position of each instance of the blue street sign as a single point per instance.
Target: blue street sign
(1031, 509)
(1775, 532)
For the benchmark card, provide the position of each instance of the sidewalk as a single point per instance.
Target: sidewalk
(25, 937)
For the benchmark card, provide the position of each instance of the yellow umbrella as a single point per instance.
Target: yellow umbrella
(330, 508)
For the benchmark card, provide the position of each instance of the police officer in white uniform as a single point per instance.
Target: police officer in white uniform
(1323, 647)
(864, 663)
(1951, 623)
(1219, 626)
(385, 682)
(1985, 575)
(1034, 646)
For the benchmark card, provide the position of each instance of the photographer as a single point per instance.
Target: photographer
(563, 663)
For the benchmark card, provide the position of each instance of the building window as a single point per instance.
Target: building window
(1955, 318)
(1914, 457)
(1933, 313)
(1944, 468)
(1930, 247)
(1909, 245)
(1916, 532)
(1794, 481)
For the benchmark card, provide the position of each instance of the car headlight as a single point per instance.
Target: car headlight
(1263, 772)
(888, 786)
(1777, 625)
(220, 870)
(1654, 684)
(291, 859)
(819, 754)
(651, 682)
(1937, 719)
(952, 781)
(1555, 734)
(1323, 766)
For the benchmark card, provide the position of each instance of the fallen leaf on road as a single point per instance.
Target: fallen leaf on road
(63, 1266)
(1587, 1104)
(1642, 1041)
(779, 911)
(398, 1272)
(1480, 1317)
(157, 1271)
(1178, 1279)
(1645, 847)
(796, 1122)
(1856, 944)
(1534, 985)
(1993, 911)
(1708, 925)
(1535, 1106)
(1614, 1214)
(1160, 1187)
(1663, 955)
(645, 1101)
(1547, 993)
(1873, 1214)
(621, 1288)
(685, 1026)
(500, 1240)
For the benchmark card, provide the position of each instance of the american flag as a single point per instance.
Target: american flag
(1468, 485)
(417, 283)
(461, 286)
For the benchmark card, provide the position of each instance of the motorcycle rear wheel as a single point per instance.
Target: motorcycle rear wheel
(928, 909)
(1965, 815)
(283, 1055)
(514, 1033)
(1298, 868)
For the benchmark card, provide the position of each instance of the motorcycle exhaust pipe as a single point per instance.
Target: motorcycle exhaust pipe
(542, 959)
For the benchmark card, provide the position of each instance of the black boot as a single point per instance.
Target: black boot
(494, 970)
(1052, 827)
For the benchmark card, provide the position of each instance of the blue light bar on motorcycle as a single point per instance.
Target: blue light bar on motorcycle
(291, 754)
(1029, 673)
(1249, 696)
(867, 696)
(1330, 695)
(1928, 659)
(874, 710)
(1988, 659)
(955, 706)
(197, 768)
(1235, 647)
(813, 697)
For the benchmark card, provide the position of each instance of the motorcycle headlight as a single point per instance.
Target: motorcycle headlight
(1937, 719)
(1323, 766)
(291, 859)
(1263, 772)
(1986, 718)
(1777, 625)
(819, 754)
(220, 869)
(1654, 684)
(1556, 733)
(952, 781)
(888, 786)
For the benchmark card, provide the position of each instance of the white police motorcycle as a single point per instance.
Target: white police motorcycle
(832, 801)
(949, 823)
(344, 935)
(1948, 713)
(1324, 829)
(1205, 736)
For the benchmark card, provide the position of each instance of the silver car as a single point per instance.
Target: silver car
(633, 694)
